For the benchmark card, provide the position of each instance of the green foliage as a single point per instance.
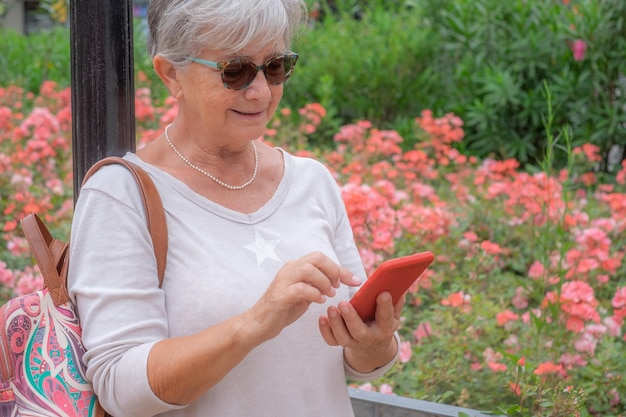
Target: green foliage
(28, 61)
(374, 67)
(354, 9)
(484, 60)
(496, 55)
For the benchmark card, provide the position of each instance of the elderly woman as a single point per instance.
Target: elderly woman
(253, 317)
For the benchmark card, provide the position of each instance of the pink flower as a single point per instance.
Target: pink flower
(520, 299)
(490, 247)
(370, 259)
(613, 326)
(28, 281)
(423, 331)
(430, 223)
(386, 389)
(17, 246)
(586, 265)
(372, 217)
(55, 185)
(591, 152)
(536, 270)
(511, 341)
(579, 47)
(406, 351)
(5, 117)
(596, 330)
(475, 366)
(621, 175)
(619, 300)
(602, 278)
(578, 301)
(570, 360)
(615, 397)
(619, 303)
(491, 355)
(586, 343)
(577, 292)
(574, 324)
(7, 278)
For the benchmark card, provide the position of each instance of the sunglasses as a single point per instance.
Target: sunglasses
(239, 74)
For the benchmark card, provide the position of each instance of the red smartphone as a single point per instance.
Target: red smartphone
(394, 275)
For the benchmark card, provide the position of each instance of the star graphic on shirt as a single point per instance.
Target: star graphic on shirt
(263, 249)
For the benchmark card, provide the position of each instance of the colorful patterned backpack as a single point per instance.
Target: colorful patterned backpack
(41, 353)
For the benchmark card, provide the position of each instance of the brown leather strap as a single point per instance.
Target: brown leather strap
(152, 205)
(49, 252)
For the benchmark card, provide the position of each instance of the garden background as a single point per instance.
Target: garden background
(491, 133)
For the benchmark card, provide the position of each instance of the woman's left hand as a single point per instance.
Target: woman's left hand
(367, 346)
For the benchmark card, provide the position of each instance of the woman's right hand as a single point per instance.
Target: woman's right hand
(181, 369)
(298, 283)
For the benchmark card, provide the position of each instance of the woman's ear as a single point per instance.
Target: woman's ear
(168, 74)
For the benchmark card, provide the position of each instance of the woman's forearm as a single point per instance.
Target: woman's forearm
(181, 369)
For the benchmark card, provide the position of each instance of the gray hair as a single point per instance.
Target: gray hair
(182, 28)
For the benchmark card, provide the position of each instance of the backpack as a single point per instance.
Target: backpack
(42, 372)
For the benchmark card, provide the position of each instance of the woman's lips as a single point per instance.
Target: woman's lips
(248, 113)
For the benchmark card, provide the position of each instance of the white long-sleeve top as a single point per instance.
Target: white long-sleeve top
(219, 264)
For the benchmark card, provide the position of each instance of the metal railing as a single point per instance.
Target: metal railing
(375, 404)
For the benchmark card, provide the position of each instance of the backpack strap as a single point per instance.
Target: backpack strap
(52, 255)
(152, 205)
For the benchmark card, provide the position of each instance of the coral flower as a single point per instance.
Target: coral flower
(550, 368)
(515, 388)
(457, 299)
(497, 367)
(505, 316)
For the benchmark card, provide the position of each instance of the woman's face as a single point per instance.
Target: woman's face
(227, 116)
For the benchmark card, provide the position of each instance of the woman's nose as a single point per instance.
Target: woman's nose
(260, 85)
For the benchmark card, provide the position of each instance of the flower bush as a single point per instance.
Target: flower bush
(522, 313)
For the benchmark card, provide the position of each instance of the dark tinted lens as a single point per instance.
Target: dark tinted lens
(278, 69)
(275, 70)
(238, 75)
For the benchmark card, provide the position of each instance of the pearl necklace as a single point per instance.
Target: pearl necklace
(217, 180)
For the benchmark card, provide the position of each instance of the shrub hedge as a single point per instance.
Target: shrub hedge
(488, 61)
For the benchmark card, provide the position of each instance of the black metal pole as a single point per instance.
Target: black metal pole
(103, 93)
